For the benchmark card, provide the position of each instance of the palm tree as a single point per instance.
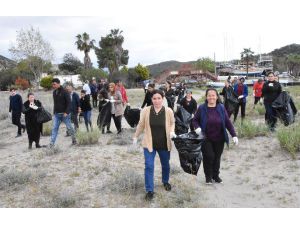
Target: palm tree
(246, 55)
(85, 44)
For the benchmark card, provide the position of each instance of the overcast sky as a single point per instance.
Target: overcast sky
(157, 31)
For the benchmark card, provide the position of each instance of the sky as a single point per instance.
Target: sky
(157, 31)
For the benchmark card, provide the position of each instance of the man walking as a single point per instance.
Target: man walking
(15, 108)
(62, 106)
(75, 106)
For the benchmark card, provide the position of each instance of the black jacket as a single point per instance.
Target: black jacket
(62, 101)
(85, 104)
(15, 103)
(191, 106)
(75, 103)
(271, 91)
(148, 99)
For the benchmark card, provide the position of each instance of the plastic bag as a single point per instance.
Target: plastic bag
(132, 116)
(182, 121)
(104, 116)
(189, 148)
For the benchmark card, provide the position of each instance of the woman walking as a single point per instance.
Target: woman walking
(270, 91)
(86, 108)
(158, 124)
(211, 118)
(31, 108)
(230, 98)
(190, 105)
(115, 98)
(170, 95)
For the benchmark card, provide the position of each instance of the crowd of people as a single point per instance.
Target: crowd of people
(157, 122)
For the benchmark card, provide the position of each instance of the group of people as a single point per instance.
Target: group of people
(235, 97)
(68, 105)
(211, 119)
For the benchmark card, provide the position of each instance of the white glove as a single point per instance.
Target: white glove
(192, 116)
(198, 131)
(127, 104)
(107, 100)
(112, 100)
(235, 140)
(134, 141)
(35, 107)
(172, 135)
(241, 96)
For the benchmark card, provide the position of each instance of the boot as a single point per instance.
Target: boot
(30, 145)
(37, 145)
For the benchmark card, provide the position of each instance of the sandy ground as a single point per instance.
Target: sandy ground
(256, 173)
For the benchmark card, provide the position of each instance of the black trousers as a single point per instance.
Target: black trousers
(243, 110)
(212, 151)
(16, 120)
(117, 121)
(256, 100)
(95, 101)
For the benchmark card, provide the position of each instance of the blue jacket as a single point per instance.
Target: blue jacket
(75, 104)
(93, 88)
(15, 103)
(245, 93)
(200, 120)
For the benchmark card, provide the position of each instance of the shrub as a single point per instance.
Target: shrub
(52, 151)
(22, 83)
(47, 129)
(260, 109)
(250, 130)
(289, 138)
(46, 82)
(88, 138)
(13, 177)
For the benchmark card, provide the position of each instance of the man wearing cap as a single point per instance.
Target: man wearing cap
(241, 90)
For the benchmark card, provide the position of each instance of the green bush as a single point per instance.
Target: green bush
(47, 128)
(260, 109)
(46, 82)
(289, 138)
(250, 130)
(88, 138)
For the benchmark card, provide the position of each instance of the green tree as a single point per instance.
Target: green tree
(247, 55)
(110, 53)
(205, 64)
(88, 74)
(293, 63)
(32, 47)
(142, 71)
(85, 44)
(46, 82)
(71, 64)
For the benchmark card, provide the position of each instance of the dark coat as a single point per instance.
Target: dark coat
(15, 103)
(85, 104)
(75, 103)
(62, 101)
(32, 126)
(147, 100)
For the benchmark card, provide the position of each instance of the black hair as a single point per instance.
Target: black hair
(12, 89)
(104, 93)
(30, 93)
(83, 91)
(215, 90)
(160, 92)
(169, 83)
(55, 80)
(151, 85)
(270, 72)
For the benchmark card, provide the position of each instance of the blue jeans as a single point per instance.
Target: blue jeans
(164, 157)
(87, 119)
(57, 119)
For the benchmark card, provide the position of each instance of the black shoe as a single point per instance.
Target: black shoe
(108, 132)
(167, 186)
(103, 132)
(38, 146)
(218, 180)
(19, 135)
(30, 146)
(149, 196)
(208, 181)
(74, 142)
(119, 131)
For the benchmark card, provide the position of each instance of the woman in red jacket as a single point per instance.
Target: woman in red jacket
(257, 90)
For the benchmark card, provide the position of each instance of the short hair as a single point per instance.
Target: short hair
(151, 85)
(12, 89)
(55, 80)
(83, 91)
(160, 92)
(30, 93)
(270, 72)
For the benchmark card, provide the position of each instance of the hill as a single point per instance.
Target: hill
(6, 63)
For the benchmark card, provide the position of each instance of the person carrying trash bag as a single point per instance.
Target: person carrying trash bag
(211, 118)
(132, 116)
(157, 123)
(189, 147)
(104, 116)
(182, 120)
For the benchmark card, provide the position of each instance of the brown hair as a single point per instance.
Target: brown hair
(113, 86)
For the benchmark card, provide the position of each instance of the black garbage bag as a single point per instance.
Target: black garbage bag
(231, 101)
(104, 116)
(132, 116)
(182, 121)
(189, 148)
(171, 101)
(285, 108)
